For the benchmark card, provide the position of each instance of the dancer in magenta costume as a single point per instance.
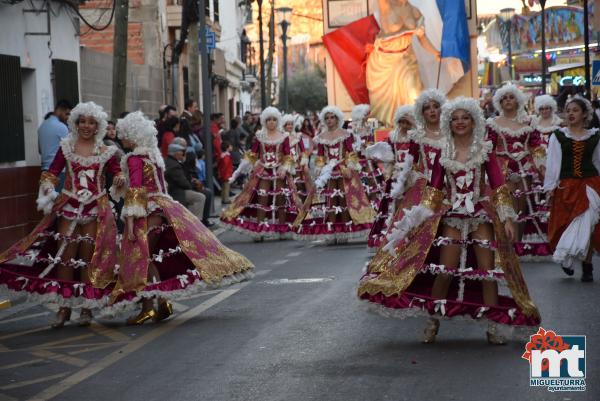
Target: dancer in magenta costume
(546, 121)
(395, 152)
(521, 154)
(338, 209)
(166, 252)
(268, 203)
(447, 255)
(364, 136)
(302, 179)
(69, 258)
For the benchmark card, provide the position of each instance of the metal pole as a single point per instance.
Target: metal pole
(206, 103)
(119, 76)
(586, 41)
(543, 4)
(284, 26)
(510, 68)
(263, 97)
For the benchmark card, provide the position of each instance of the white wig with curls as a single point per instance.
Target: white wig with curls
(426, 96)
(519, 96)
(359, 112)
(331, 110)
(589, 110)
(88, 109)
(545, 101)
(288, 118)
(268, 113)
(135, 127)
(479, 147)
(402, 112)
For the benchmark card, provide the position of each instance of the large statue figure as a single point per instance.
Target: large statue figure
(387, 59)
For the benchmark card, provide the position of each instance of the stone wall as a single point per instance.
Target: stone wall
(144, 83)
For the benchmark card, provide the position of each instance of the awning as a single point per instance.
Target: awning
(564, 67)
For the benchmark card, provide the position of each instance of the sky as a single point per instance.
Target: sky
(494, 6)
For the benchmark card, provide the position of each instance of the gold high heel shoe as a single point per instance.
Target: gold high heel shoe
(431, 330)
(62, 316)
(85, 317)
(142, 317)
(165, 309)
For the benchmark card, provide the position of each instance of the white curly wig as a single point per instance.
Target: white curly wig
(331, 110)
(406, 111)
(519, 95)
(288, 118)
(544, 101)
(426, 96)
(268, 113)
(589, 110)
(135, 127)
(89, 109)
(359, 112)
(471, 106)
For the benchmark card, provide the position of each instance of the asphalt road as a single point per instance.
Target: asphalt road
(295, 333)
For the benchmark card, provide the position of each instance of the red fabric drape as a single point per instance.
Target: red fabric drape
(347, 47)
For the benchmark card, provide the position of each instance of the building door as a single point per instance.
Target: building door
(12, 135)
(66, 81)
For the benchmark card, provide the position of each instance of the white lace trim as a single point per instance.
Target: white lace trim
(330, 142)
(526, 129)
(475, 160)
(589, 133)
(262, 136)
(70, 155)
(395, 137)
(418, 136)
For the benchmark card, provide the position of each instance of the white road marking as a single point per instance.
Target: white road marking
(70, 360)
(280, 262)
(16, 319)
(108, 332)
(298, 280)
(293, 254)
(219, 231)
(22, 333)
(262, 272)
(18, 365)
(63, 341)
(131, 347)
(34, 381)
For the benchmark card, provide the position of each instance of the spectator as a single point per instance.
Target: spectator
(201, 166)
(225, 170)
(171, 129)
(185, 132)
(52, 130)
(164, 113)
(191, 171)
(307, 134)
(216, 125)
(110, 139)
(180, 188)
(233, 136)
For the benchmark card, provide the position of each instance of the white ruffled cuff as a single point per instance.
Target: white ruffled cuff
(45, 202)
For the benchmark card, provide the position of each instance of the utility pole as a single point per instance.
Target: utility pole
(543, 4)
(193, 50)
(270, 54)
(206, 100)
(119, 77)
(586, 42)
(261, 43)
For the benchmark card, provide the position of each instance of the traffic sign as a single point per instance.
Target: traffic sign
(211, 39)
(596, 73)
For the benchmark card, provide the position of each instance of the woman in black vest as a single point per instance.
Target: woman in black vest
(573, 184)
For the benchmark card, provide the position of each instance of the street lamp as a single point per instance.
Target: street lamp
(586, 41)
(506, 15)
(285, 15)
(543, 5)
(263, 97)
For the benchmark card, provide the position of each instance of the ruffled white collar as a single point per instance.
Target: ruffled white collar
(418, 136)
(263, 137)
(67, 148)
(395, 137)
(330, 142)
(589, 133)
(477, 156)
(491, 122)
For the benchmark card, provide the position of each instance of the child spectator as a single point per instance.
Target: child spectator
(225, 167)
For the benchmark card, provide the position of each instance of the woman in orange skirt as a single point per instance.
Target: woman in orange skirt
(572, 182)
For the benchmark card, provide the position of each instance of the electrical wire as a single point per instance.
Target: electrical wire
(91, 26)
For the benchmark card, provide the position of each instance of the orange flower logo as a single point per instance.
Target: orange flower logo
(544, 340)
